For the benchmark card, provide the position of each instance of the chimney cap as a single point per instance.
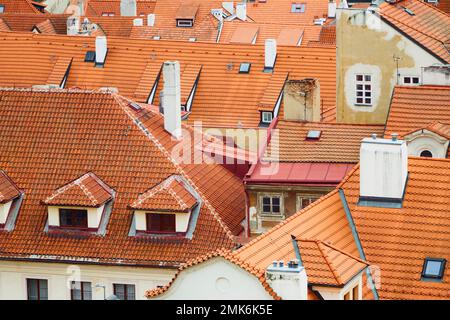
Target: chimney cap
(394, 136)
(374, 136)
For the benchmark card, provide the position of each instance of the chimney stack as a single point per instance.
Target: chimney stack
(383, 171)
(172, 98)
(229, 6)
(241, 11)
(128, 8)
(151, 19)
(101, 49)
(332, 9)
(270, 54)
(289, 281)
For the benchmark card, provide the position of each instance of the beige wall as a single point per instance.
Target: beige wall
(4, 210)
(365, 44)
(13, 277)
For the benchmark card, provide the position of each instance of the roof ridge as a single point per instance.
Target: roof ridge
(178, 167)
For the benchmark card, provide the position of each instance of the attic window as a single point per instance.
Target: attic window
(244, 67)
(298, 7)
(433, 268)
(73, 218)
(90, 56)
(2, 8)
(266, 117)
(313, 134)
(185, 23)
(108, 14)
(161, 223)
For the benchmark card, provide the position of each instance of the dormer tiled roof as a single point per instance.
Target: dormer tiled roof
(170, 195)
(20, 6)
(437, 127)
(25, 22)
(83, 131)
(8, 189)
(45, 26)
(4, 26)
(427, 25)
(99, 7)
(85, 191)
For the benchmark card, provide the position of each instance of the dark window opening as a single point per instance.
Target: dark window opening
(426, 154)
(37, 289)
(81, 290)
(266, 117)
(73, 218)
(90, 56)
(185, 23)
(125, 291)
(271, 205)
(433, 268)
(164, 223)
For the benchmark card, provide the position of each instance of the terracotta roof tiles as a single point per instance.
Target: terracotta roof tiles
(8, 189)
(46, 27)
(100, 7)
(19, 6)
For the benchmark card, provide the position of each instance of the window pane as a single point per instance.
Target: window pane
(359, 93)
(433, 268)
(367, 87)
(359, 87)
(407, 80)
(276, 201)
(131, 295)
(76, 290)
(266, 200)
(305, 202)
(119, 291)
(415, 80)
(266, 208)
(87, 291)
(359, 100)
(168, 222)
(43, 290)
(359, 77)
(368, 93)
(276, 208)
(368, 101)
(367, 77)
(73, 218)
(32, 287)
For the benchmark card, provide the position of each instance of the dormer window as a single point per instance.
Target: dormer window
(167, 209)
(83, 204)
(433, 268)
(298, 7)
(266, 117)
(185, 15)
(185, 23)
(10, 199)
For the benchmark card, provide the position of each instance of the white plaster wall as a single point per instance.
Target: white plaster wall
(4, 210)
(426, 142)
(332, 293)
(13, 277)
(181, 220)
(94, 215)
(216, 278)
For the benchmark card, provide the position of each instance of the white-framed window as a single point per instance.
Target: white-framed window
(185, 23)
(304, 200)
(266, 117)
(2, 8)
(298, 7)
(352, 294)
(271, 204)
(363, 89)
(411, 80)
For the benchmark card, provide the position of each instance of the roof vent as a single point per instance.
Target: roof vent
(270, 54)
(408, 11)
(241, 11)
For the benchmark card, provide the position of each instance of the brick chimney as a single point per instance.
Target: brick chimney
(383, 171)
(171, 98)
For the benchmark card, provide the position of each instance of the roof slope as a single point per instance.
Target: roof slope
(8, 189)
(398, 240)
(337, 143)
(128, 59)
(100, 7)
(44, 147)
(19, 6)
(86, 191)
(416, 107)
(24, 22)
(427, 26)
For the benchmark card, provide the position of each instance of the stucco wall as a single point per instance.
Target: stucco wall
(4, 210)
(366, 44)
(13, 277)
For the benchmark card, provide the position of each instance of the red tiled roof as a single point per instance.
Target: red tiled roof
(427, 26)
(416, 107)
(8, 189)
(86, 191)
(130, 61)
(19, 6)
(81, 132)
(99, 7)
(170, 195)
(3, 25)
(398, 240)
(444, 5)
(25, 22)
(46, 26)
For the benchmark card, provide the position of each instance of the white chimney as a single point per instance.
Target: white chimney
(138, 22)
(383, 171)
(128, 8)
(332, 9)
(229, 6)
(288, 281)
(151, 19)
(270, 54)
(172, 98)
(101, 49)
(241, 11)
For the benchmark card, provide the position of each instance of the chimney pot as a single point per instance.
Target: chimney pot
(374, 136)
(151, 19)
(394, 136)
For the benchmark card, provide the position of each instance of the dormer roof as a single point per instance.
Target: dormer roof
(85, 191)
(186, 11)
(8, 189)
(170, 195)
(438, 128)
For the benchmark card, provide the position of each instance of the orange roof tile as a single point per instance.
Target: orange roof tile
(8, 189)
(244, 34)
(398, 240)
(19, 6)
(99, 132)
(416, 107)
(273, 91)
(3, 25)
(128, 60)
(290, 36)
(170, 195)
(60, 70)
(444, 5)
(427, 26)
(100, 7)
(338, 142)
(45, 27)
(25, 22)
(189, 75)
(86, 191)
(186, 11)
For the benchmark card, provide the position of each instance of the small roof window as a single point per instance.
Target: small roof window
(244, 67)
(433, 268)
(2, 8)
(90, 56)
(313, 134)
(298, 7)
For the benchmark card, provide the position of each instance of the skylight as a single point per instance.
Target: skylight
(433, 268)
(244, 67)
(298, 8)
(313, 134)
(90, 56)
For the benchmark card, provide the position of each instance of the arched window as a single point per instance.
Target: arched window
(426, 154)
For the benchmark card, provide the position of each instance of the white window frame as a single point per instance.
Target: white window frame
(411, 83)
(301, 196)
(264, 115)
(298, 7)
(271, 214)
(364, 83)
(185, 23)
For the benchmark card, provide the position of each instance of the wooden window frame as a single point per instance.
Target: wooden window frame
(411, 80)
(125, 291)
(185, 23)
(265, 120)
(271, 214)
(299, 197)
(82, 285)
(38, 281)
